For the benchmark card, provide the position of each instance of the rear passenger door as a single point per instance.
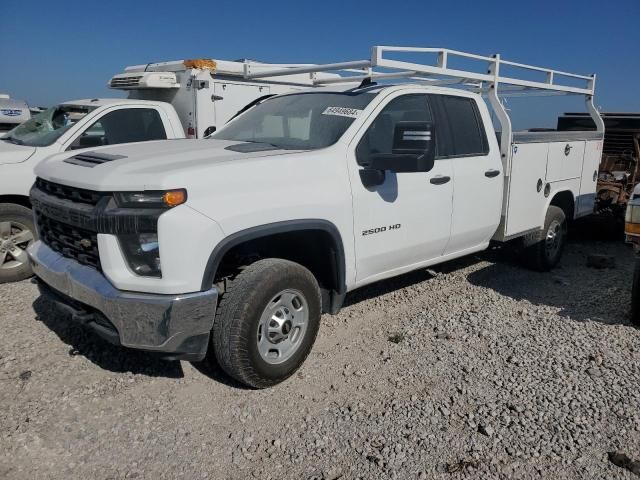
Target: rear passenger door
(477, 171)
(124, 125)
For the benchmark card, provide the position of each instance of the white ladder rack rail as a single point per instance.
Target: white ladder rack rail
(439, 73)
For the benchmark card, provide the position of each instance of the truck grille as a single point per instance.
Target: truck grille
(70, 241)
(69, 193)
(70, 219)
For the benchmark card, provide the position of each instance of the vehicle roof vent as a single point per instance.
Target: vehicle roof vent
(137, 80)
(92, 159)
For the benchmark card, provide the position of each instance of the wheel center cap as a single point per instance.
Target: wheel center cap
(286, 327)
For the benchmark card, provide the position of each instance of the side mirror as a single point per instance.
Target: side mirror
(87, 141)
(413, 149)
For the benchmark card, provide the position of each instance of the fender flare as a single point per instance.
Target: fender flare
(286, 226)
(553, 195)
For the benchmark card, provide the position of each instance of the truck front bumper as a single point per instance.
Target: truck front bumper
(178, 326)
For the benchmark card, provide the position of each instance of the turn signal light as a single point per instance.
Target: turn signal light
(173, 198)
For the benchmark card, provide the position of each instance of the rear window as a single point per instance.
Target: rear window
(464, 134)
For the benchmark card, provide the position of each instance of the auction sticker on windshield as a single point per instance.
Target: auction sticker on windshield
(342, 112)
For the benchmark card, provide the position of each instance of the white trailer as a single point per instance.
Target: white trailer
(206, 93)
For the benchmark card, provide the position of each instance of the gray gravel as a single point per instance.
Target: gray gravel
(475, 369)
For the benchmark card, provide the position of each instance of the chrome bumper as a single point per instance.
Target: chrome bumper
(178, 325)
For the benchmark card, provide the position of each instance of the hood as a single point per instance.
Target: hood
(148, 165)
(12, 153)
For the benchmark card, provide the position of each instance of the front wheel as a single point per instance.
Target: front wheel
(266, 323)
(543, 248)
(17, 232)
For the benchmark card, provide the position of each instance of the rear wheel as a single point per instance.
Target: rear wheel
(266, 323)
(17, 232)
(543, 248)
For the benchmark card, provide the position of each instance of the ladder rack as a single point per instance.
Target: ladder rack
(492, 83)
(439, 69)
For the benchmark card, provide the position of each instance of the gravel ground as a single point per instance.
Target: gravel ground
(476, 369)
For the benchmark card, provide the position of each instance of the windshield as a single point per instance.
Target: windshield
(304, 121)
(46, 127)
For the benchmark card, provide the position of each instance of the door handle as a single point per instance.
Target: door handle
(492, 173)
(439, 180)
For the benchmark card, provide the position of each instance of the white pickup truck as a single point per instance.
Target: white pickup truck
(228, 249)
(165, 101)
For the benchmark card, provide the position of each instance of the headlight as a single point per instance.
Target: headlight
(151, 199)
(632, 219)
(142, 253)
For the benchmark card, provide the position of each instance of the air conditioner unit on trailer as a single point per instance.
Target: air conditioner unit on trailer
(138, 80)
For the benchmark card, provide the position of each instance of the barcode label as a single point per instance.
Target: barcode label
(342, 112)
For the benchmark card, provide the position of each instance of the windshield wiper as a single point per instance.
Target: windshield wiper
(279, 147)
(262, 143)
(14, 140)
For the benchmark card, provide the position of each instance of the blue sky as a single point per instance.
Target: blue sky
(56, 51)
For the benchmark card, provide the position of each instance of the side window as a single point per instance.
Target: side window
(94, 130)
(465, 131)
(123, 126)
(379, 136)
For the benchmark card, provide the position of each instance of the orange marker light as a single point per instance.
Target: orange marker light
(173, 198)
(632, 228)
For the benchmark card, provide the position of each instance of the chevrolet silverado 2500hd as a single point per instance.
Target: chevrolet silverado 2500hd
(229, 249)
(165, 100)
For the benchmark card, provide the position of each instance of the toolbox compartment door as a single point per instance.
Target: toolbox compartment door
(588, 181)
(525, 200)
(565, 160)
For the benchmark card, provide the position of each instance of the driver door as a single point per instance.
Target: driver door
(406, 219)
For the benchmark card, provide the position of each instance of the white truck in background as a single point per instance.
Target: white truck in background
(12, 112)
(165, 100)
(228, 249)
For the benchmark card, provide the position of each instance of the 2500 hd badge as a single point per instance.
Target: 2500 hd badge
(371, 231)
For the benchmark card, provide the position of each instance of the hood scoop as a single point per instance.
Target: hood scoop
(91, 159)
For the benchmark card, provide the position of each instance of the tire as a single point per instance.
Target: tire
(543, 248)
(254, 346)
(17, 231)
(635, 294)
